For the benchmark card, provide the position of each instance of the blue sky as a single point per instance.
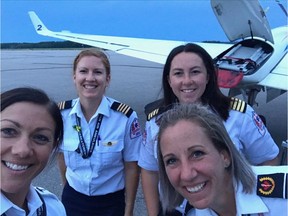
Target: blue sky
(177, 20)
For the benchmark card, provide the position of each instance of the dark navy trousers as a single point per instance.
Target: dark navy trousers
(78, 204)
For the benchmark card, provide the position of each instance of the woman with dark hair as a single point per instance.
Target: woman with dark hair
(31, 131)
(199, 162)
(189, 76)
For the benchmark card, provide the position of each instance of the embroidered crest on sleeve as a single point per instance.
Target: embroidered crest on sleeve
(259, 123)
(267, 185)
(272, 185)
(135, 130)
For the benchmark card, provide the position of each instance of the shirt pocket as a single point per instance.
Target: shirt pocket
(73, 160)
(110, 152)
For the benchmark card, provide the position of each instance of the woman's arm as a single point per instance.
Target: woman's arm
(273, 162)
(62, 167)
(131, 186)
(150, 189)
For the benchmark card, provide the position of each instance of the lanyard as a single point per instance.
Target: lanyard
(83, 148)
(41, 211)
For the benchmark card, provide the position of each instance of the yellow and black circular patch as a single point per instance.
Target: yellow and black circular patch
(267, 185)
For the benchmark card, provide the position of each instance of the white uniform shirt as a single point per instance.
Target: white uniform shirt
(252, 204)
(118, 141)
(247, 132)
(53, 204)
(250, 136)
(148, 152)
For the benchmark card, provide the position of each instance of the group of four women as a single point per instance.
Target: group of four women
(102, 146)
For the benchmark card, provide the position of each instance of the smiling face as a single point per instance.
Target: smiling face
(188, 77)
(195, 168)
(90, 78)
(27, 140)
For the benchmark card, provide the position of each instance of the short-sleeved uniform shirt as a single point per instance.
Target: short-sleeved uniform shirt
(244, 127)
(118, 141)
(52, 203)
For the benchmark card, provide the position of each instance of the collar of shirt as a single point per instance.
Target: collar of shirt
(243, 203)
(244, 200)
(103, 108)
(262, 170)
(34, 202)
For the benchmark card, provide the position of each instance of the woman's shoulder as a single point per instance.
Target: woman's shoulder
(238, 105)
(272, 188)
(120, 107)
(154, 109)
(45, 194)
(271, 181)
(52, 203)
(68, 104)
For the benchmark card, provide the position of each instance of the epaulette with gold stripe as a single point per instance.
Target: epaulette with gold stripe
(65, 105)
(272, 185)
(152, 114)
(121, 107)
(153, 109)
(238, 105)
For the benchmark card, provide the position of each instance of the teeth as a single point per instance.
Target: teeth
(89, 86)
(15, 166)
(196, 188)
(187, 90)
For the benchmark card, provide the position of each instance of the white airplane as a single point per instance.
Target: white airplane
(255, 60)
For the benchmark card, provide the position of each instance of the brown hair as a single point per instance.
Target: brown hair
(93, 52)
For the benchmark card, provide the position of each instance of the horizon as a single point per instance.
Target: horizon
(145, 19)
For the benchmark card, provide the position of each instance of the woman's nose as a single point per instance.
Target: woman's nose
(188, 171)
(23, 147)
(187, 79)
(90, 76)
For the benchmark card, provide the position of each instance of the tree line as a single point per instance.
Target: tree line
(43, 45)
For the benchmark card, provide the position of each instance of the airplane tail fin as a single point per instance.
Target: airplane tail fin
(39, 26)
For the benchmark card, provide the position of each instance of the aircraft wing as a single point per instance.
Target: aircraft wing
(278, 77)
(147, 49)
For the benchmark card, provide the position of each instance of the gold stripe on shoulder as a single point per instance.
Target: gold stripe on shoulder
(238, 105)
(152, 114)
(61, 105)
(123, 108)
(65, 104)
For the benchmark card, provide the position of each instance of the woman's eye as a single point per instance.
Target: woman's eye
(41, 139)
(195, 71)
(82, 71)
(8, 132)
(98, 72)
(178, 73)
(197, 154)
(170, 161)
